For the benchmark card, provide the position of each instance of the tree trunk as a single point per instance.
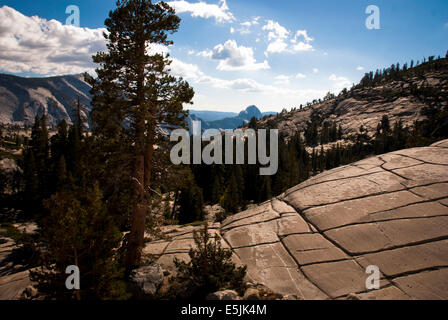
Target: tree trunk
(137, 234)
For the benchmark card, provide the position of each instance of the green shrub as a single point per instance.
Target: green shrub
(210, 269)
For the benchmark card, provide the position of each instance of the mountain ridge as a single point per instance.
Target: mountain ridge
(400, 94)
(21, 99)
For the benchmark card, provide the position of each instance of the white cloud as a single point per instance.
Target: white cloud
(192, 73)
(282, 79)
(278, 46)
(220, 12)
(185, 70)
(276, 31)
(359, 68)
(340, 82)
(245, 28)
(273, 93)
(302, 46)
(255, 20)
(315, 70)
(156, 48)
(304, 34)
(46, 47)
(205, 54)
(300, 76)
(278, 35)
(233, 57)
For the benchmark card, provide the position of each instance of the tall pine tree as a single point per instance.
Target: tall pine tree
(135, 94)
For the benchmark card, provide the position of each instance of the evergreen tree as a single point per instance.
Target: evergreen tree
(231, 199)
(190, 202)
(210, 269)
(78, 231)
(135, 90)
(253, 123)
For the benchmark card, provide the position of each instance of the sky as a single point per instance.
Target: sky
(235, 53)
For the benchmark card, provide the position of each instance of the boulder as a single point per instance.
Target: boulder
(252, 294)
(145, 281)
(225, 295)
(29, 293)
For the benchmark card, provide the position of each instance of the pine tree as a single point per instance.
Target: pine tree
(265, 190)
(231, 199)
(253, 123)
(61, 177)
(31, 181)
(190, 202)
(79, 231)
(134, 85)
(210, 269)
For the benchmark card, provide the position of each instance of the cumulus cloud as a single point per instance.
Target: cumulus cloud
(185, 70)
(232, 57)
(205, 54)
(278, 46)
(300, 76)
(304, 34)
(359, 68)
(47, 47)
(278, 37)
(204, 10)
(302, 45)
(276, 31)
(340, 82)
(315, 70)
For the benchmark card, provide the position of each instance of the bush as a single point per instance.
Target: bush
(209, 270)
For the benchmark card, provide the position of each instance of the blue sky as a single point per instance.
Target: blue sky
(273, 54)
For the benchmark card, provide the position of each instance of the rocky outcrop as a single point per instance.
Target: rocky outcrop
(316, 240)
(366, 106)
(145, 281)
(21, 99)
(13, 280)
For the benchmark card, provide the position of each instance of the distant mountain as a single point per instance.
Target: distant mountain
(212, 115)
(250, 112)
(231, 122)
(22, 98)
